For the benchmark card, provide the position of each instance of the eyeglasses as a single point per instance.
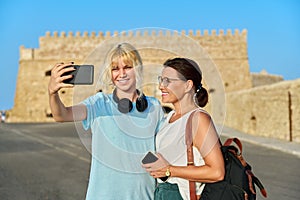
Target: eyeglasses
(166, 81)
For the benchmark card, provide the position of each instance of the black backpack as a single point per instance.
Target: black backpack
(239, 181)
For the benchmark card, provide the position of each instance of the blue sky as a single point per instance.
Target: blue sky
(273, 27)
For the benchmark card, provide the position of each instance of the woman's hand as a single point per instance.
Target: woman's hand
(56, 79)
(158, 168)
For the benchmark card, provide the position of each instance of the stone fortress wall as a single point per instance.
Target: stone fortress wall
(258, 104)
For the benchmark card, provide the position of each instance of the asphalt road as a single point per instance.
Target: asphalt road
(41, 162)
(50, 161)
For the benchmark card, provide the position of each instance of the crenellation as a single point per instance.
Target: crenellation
(146, 33)
(168, 33)
(116, 33)
(154, 33)
(138, 33)
(205, 32)
(48, 34)
(160, 33)
(107, 34)
(26, 54)
(217, 44)
(55, 34)
(63, 34)
(236, 32)
(214, 32)
(123, 34)
(221, 32)
(228, 32)
(78, 34)
(93, 34)
(85, 34)
(244, 32)
(130, 33)
(70, 34)
(100, 34)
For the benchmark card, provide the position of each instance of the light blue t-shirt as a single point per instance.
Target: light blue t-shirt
(119, 142)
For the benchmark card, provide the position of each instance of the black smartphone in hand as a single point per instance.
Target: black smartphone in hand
(149, 158)
(82, 75)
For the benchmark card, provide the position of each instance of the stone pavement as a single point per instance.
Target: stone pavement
(285, 146)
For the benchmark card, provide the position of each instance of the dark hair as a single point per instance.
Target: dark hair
(190, 70)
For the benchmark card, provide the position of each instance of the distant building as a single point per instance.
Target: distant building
(263, 78)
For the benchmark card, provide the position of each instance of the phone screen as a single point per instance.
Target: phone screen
(82, 75)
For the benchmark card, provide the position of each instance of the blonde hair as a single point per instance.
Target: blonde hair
(130, 56)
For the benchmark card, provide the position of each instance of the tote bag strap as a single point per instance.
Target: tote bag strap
(190, 155)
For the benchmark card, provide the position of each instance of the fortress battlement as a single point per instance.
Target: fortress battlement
(138, 33)
(219, 44)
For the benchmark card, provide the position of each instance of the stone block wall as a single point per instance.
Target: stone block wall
(269, 111)
(31, 99)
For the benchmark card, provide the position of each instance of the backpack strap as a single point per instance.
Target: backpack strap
(238, 152)
(257, 182)
(229, 141)
(190, 155)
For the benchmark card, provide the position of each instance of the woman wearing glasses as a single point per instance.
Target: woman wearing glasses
(180, 84)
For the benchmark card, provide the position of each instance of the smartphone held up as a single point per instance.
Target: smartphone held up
(82, 75)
